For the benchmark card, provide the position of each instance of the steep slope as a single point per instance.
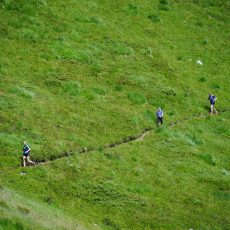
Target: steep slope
(79, 74)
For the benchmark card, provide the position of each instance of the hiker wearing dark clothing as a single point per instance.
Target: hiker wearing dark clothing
(212, 99)
(26, 154)
(159, 116)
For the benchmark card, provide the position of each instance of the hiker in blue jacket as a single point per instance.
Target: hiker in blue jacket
(159, 116)
(26, 154)
(212, 99)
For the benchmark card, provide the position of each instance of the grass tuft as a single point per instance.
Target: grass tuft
(164, 2)
(202, 79)
(99, 91)
(108, 222)
(135, 120)
(118, 88)
(29, 36)
(154, 18)
(123, 49)
(71, 88)
(149, 116)
(23, 210)
(163, 7)
(3, 204)
(137, 98)
(96, 68)
(48, 199)
(215, 86)
(132, 9)
(208, 158)
(96, 20)
(222, 195)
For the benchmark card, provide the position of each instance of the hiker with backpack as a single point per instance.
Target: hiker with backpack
(26, 154)
(212, 99)
(159, 116)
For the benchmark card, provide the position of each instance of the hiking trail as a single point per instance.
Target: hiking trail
(132, 138)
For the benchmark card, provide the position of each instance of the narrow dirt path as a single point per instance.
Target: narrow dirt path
(137, 137)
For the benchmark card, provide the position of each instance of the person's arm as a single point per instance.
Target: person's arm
(28, 149)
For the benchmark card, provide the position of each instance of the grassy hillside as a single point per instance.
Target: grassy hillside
(178, 178)
(86, 73)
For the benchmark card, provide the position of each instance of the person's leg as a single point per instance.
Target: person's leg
(211, 109)
(24, 161)
(162, 120)
(158, 121)
(214, 109)
(31, 162)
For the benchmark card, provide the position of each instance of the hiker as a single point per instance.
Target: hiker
(212, 99)
(159, 116)
(26, 154)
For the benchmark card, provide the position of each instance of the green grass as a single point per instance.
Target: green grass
(21, 212)
(79, 74)
(161, 183)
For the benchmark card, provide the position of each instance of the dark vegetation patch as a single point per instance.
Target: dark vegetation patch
(154, 18)
(222, 195)
(208, 158)
(132, 9)
(215, 86)
(110, 223)
(23, 210)
(112, 156)
(202, 79)
(48, 199)
(3, 204)
(11, 224)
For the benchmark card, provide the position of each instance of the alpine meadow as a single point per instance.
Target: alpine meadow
(80, 84)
